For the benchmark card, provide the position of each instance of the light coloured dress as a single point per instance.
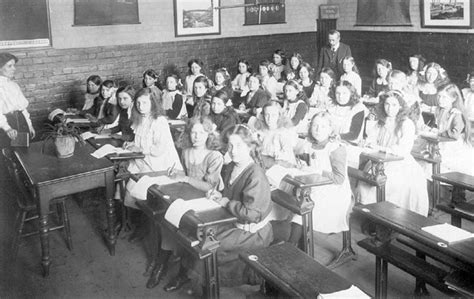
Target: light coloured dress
(406, 183)
(468, 95)
(348, 121)
(331, 202)
(153, 137)
(457, 155)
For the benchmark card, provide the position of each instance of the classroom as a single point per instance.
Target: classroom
(236, 148)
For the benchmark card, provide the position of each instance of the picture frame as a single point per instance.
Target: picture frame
(196, 17)
(446, 14)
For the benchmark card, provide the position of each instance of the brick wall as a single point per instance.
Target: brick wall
(55, 78)
(453, 51)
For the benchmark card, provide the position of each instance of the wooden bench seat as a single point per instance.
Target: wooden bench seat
(457, 212)
(418, 267)
(423, 250)
(458, 208)
(292, 272)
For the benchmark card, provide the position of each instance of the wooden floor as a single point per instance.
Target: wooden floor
(89, 272)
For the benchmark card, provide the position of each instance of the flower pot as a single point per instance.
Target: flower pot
(65, 146)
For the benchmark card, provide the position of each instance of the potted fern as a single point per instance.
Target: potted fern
(64, 135)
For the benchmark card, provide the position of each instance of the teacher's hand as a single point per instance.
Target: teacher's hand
(12, 133)
(32, 132)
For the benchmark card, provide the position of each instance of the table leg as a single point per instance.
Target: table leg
(212, 276)
(378, 276)
(384, 279)
(43, 209)
(308, 234)
(436, 187)
(110, 210)
(44, 237)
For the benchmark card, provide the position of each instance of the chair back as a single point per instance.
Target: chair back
(24, 194)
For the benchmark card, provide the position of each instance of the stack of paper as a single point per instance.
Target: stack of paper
(448, 232)
(179, 207)
(352, 292)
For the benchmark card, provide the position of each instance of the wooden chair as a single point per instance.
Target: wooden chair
(27, 205)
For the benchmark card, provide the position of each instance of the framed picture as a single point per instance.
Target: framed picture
(446, 14)
(196, 17)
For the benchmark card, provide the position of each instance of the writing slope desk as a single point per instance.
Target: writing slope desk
(197, 230)
(52, 177)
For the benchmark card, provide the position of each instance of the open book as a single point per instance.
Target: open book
(108, 149)
(140, 188)
(179, 207)
(276, 173)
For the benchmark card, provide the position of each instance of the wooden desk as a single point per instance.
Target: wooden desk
(97, 143)
(293, 272)
(301, 204)
(376, 171)
(409, 223)
(458, 208)
(196, 232)
(433, 156)
(52, 177)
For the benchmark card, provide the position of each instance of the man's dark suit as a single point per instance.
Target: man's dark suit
(329, 58)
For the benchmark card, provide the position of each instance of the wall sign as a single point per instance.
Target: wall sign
(264, 12)
(329, 11)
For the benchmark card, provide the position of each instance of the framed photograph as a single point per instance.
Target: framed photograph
(446, 14)
(196, 17)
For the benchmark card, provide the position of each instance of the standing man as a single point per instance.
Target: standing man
(332, 55)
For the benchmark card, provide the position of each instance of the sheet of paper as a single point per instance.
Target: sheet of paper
(202, 204)
(448, 232)
(140, 188)
(179, 207)
(78, 120)
(352, 292)
(101, 136)
(87, 135)
(176, 122)
(175, 211)
(108, 149)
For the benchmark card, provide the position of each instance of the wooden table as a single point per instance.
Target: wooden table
(410, 224)
(52, 177)
(301, 204)
(197, 230)
(294, 273)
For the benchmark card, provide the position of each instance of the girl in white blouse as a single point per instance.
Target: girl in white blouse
(152, 138)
